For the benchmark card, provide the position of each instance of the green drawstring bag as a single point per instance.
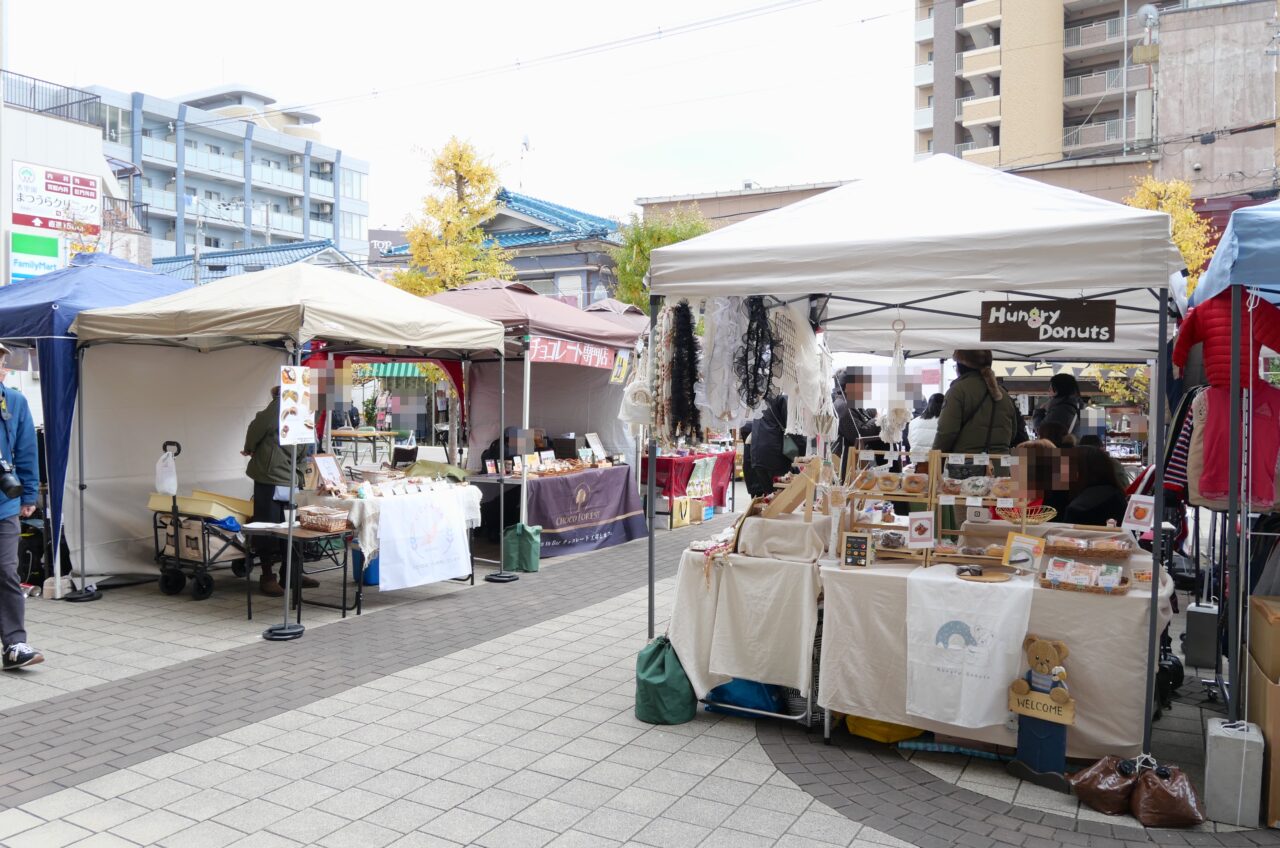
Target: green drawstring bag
(522, 547)
(663, 692)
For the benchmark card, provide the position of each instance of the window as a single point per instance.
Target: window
(353, 184)
(190, 191)
(116, 124)
(212, 241)
(275, 209)
(355, 226)
(214, 149)
(928, 146)
(214, 196)
(190, 144)
(929, 100)
(930, 59)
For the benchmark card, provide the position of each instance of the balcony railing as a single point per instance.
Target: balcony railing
(217, 163)
(277, 177)
(49, 98)
(924, 74)
(977, 10)
(1097, 134)
(159, 199)
(960, 101)
(1102, 82)
(963, 146)
(924, 29)
(159, 149)
(321, 187)
(1099, 32)
(122, 214)
(924, 118)
(321, 229)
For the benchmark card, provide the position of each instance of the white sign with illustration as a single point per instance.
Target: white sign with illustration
(422, 538)
(964, 643)
(297, 421)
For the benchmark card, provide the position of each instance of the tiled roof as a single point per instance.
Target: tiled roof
(231, 262)
(563, 224)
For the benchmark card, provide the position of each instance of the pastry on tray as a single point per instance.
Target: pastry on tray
(892, 539)
(888, 482)
(996, 551)
(915, 484)
(950, 486)
(1004, 487)
(1111, 547)
(975, 487)
(866, 480)
(972, 550)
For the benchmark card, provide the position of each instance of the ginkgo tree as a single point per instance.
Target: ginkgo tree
(1192, 232)
(448, 245)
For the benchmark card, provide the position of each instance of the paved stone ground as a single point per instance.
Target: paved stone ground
(496, 716)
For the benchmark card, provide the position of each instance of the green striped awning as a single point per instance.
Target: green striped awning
(394, 369)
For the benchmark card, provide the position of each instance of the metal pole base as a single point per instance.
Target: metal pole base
(80, 596)
(501, 577)
(283, 632)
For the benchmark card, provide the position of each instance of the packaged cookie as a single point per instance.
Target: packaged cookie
(1082, 574)
(975, 487)
(1057, 570)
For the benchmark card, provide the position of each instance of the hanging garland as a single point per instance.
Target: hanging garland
(759, 361)
(686, 419)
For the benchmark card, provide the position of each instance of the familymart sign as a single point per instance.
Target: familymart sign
(1048, 321)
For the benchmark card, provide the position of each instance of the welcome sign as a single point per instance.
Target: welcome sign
(1048, 321)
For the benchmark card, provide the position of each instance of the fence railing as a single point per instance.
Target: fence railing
(49, 98)
(121, 214)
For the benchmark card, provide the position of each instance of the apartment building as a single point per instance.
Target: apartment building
(1089, 94)
(229, 167)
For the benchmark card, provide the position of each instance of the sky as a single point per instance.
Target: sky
(817, 90)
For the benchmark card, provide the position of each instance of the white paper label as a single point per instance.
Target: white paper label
(1009, 461)
(947, 500)
(981, 459)
(955, 459)
(1004, 503)
(867, 455)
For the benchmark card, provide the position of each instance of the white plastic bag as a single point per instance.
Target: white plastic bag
(166, 474)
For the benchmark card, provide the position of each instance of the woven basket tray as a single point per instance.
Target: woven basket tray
(1124, 587)
(323, 519)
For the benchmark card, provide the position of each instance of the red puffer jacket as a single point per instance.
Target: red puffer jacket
(1210, 322)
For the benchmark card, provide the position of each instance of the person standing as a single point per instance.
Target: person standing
(268, 468)
(18, 443)
(977, 415)
(1064, 407)
(924, 427)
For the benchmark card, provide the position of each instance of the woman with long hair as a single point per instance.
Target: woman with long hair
(924, 427)
(1096, 495)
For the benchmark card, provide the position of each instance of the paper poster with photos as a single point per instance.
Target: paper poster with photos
(297, 421)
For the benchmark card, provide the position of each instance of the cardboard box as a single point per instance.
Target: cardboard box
(1264, 711)
(1264, 634)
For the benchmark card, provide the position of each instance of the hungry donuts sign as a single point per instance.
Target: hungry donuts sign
(1049, 320)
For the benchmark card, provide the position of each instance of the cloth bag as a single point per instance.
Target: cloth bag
(663, 692)
(522, 547)
(1164, 797)
(1107, 785)
(166, 474)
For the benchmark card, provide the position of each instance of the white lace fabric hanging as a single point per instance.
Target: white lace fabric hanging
(897, 413)
(724, 324)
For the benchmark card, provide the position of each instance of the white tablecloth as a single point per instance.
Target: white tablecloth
(366, 513)
(757, 621)
(864, 662)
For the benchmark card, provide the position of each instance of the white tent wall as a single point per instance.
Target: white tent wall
(562, 399)
(135, 398)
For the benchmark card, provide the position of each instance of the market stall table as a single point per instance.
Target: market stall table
(357, 438)
(583, 510)
(673, 474)
(332, 547)
(864, 656)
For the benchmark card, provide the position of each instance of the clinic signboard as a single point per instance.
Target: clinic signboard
(54, 199)
(1061, 321)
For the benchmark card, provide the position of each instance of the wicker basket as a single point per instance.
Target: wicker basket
(323, 519)
(1124, 587)
(1034, 514)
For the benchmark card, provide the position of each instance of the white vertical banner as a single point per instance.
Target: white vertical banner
(297, 421)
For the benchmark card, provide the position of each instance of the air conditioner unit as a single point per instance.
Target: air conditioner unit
(295, 203)
(295, 160)
(325, 208)
(326, 167)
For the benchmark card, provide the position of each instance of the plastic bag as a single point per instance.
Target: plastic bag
(166, 474)
(1107, 785)
(1164, 797)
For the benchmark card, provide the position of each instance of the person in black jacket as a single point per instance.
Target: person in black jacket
(767, 459)
(1096, 496)
(857, 423)
(1064, 407)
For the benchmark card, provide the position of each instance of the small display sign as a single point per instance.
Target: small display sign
(856, 550)
(1066, 321)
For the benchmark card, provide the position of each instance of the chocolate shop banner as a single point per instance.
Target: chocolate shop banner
(964, 643)
(586, 511)
(1048, 320)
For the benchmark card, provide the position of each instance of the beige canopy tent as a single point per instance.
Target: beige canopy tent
(251, 324)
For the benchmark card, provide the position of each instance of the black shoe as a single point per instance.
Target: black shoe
(20, 655)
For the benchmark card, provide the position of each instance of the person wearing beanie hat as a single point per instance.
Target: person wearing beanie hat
(977, 415)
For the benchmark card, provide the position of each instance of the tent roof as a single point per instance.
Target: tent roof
(300, 302)
(927, 244)
(1248, 254)
(521, 309)
(45, 306)
(624, 314)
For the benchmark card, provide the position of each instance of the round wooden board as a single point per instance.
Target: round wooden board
(998, 577)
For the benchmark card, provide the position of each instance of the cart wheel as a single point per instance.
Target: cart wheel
(201, 586)
(238, 568)
(172, 580)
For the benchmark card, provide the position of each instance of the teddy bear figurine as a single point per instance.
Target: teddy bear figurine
(1042, 737)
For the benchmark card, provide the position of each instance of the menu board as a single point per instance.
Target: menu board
(297, 421)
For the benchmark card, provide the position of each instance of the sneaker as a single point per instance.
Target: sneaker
(20, 655)
(270, 587)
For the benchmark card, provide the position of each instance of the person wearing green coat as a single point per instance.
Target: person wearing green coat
(268, 468)
(977, 415)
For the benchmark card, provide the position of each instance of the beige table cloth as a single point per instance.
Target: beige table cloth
(365, 513)
(864, 658)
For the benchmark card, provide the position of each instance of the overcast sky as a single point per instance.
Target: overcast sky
(818, 91)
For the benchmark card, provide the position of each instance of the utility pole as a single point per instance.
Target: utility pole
(195, 251)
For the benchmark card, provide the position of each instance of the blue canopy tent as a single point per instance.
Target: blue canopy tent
(1248, 255)
(41, 310)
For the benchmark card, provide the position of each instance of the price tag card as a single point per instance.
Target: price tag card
(1009, 461)
(919, 456)
(1004, 503)
(981, 459)
(947, 500)
(955, 459)
(867, 455)
(968, 501)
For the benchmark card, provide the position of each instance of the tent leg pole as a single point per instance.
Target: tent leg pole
(524, 426)
(651, 483)
(501, 575)
(82, 594)
(1236, 586)
(286, 630)
(1157, 535)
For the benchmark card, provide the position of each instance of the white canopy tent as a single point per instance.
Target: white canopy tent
(928, 243)
(231, 336)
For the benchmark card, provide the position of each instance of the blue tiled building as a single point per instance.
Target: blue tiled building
(252, 172)
(556, 250)
(216, 264)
